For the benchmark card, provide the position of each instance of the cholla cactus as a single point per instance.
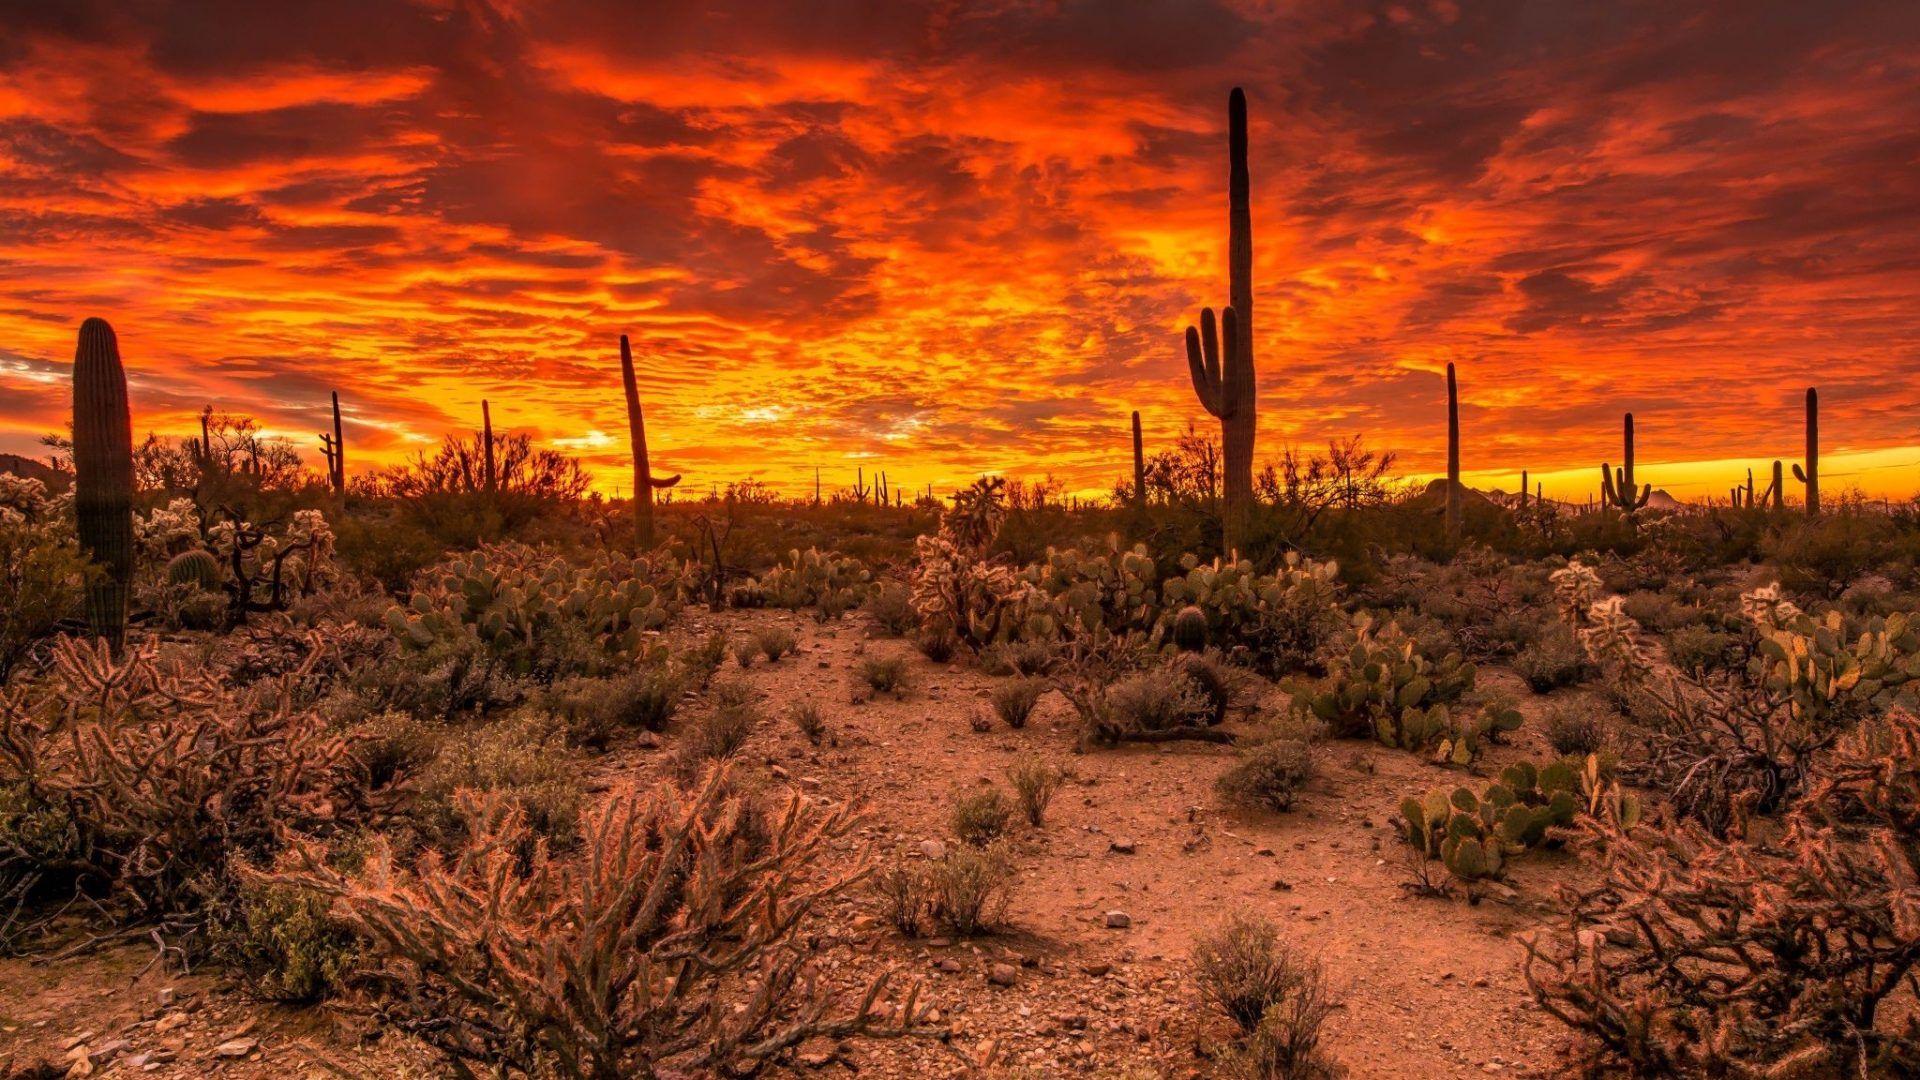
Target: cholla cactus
(168, 530)
(1767, 608)
(1577, 586)
(956, 590)
(22, 498)
(667, 948)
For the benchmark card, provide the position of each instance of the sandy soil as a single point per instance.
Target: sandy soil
(1427, 987)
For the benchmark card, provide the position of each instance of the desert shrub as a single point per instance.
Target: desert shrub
(807, 718)
(522, 761)
(1161, 699)
(1014, 699)
(904, 889)
(1823, 556)
(888, 674)
(41, 569)
(148, 777)
(891, 607)
(744, 650)
(703, 660)
(1698, 650)
(1286, 1044)
(1266, 986)
(1031, 657)
(970, 888)
(775, 642)
(542, 964)
(1034, 784)
(1779, 954)
(1575, 728)
(718, 731)
(936, 647)
(1553, 660)
(594, 710)
(980, 817)
(282, 944)
(1272, 769)
(393, 745)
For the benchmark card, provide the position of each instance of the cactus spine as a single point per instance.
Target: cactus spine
(1139, 464)
(1223, 378)
(1810, 475)
(103, 476)
(1616, 485)
(643, 479)
(1453, 455)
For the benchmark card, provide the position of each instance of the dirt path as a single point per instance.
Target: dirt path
(1427, 988)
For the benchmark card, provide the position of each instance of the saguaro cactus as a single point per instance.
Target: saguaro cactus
(1810, 475)
(1523, 489)
(103, 476)
(1774, 497)
(1616, 485)
(1453, 454)
(334, 447)
(489, 477)
(1223, 378)
(643, 479)
(1139, 464)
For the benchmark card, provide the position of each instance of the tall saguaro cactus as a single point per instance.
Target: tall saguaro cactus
(334, 446)
(1810, 475)
(643, 479)
(1139, 463)
(1222, 370)
(103, 476)
(1453, 455)
(1616, 485)
(489, 477)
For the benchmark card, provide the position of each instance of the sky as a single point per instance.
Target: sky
(945, 238)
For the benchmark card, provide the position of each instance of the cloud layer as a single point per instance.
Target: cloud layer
(943, 238)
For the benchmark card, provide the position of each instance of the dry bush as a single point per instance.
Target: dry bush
(1575, 729)
(937, 647)
(719, 730)
(904, 889)
(886, 674)
(775, 642)
(1276, 995)
(891, 606)
(1030, 657)
(1014, 699)
(666, 948)
(1272, 770)
(595, 710)
(1034, 784)
(140, 780)
(971, 888)
(1552, 661)
(981, 817)
(1775, 956)
(806, 717)
(1156, 701)
(744, 651)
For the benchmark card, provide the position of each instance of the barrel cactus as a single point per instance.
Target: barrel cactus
(197, 568)
(1190, 629)
(103, 476)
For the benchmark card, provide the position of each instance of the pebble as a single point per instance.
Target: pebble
(1118, 920)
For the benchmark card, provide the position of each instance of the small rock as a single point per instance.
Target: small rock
(948, 965)
(933, 850)
(1122, 846)
(1118, 920)
(1003, 974)
(1098, 970)
(235, 1048)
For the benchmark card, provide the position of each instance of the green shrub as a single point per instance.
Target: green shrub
(524, 759)
(595, 710)
(719, 730)
(1552, 661)
(981, 817)
(775, 642)
(1271, 771)
(1575, 729)
(1245, 968)
(806, 716)
(282, 945)
(1698, 650)
(891, 607)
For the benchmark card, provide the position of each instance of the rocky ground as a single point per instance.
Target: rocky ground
(1138, 856)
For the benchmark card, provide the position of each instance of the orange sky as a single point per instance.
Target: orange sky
(946, 238)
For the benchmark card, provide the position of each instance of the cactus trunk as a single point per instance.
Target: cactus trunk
(339, 449)
(1223, 373)
(1453, 455)
(103, 476)
(643, 479)
(1810, 476)
(1139, 464)
(1523, 489)
(1616, 485)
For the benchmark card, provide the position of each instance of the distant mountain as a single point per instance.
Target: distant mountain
(55, 480)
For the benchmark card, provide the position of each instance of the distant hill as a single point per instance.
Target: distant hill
(55, 480)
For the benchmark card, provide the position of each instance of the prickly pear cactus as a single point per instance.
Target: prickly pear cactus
(1386, 688)
(1477, 835)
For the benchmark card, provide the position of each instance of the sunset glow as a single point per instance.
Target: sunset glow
(942, 239)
